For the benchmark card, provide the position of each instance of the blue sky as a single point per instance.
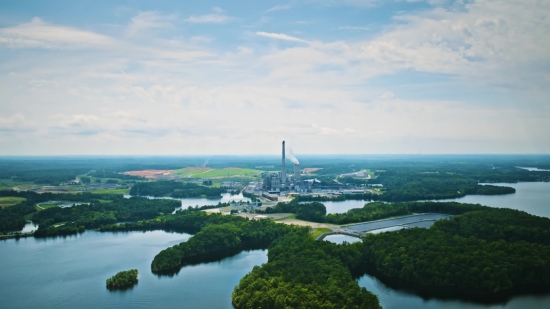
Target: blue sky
(218, 77)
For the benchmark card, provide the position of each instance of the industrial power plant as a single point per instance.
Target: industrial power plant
(279, 182)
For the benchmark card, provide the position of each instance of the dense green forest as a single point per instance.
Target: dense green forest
(123, 279)
(235, 233)
(300, 274)
(12, 218)
(97, 214)
(480, 250)
(305, 211)
(175, 189)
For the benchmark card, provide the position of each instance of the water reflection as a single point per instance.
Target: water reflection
(393, 295)
(186, 202)
(339, 239)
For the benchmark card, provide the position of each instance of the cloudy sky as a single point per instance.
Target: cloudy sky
(237, 77)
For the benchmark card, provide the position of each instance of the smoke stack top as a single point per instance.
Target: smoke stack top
(291, 156)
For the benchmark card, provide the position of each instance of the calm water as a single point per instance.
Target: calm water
(339, 239)
(186, 202)
(71, 272)
(343, 206)
(398, 299)
(531, 197)
(533, 169)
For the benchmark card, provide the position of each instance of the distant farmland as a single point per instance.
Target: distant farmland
(205, 172)
(8, 201)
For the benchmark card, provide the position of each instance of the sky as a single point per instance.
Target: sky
(238, 77)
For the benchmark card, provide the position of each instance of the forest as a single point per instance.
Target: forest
(235, 233)
(12, 218)
(175, 189)
(123, 279)
(76, 219)
(480, 250)
(301, 274)
(304, 211)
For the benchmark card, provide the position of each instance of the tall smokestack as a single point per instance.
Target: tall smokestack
(297, 176)
(283, 176)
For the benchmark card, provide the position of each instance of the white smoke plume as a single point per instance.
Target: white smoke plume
(291, 156)
(205, 162)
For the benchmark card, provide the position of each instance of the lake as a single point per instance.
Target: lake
(186, 202)
(343, 206)
(393, 298)
(531, 197)
(71, 272)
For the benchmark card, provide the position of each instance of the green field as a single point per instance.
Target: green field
(8, 201)
(46, 206)
(8, 184)
(287, 217)
(317, 232)
(202, 172)
(111, 191)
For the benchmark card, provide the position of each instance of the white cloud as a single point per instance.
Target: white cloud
(218, 17)
(39, 34)
(279, 8)
(387, 95)
(16, 123)
(489, 39)
(148, 20)
(175, 96)
(353, 28)
(280, 36)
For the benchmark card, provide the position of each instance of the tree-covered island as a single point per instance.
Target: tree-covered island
(123, 279)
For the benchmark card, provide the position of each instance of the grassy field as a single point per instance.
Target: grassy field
(317, 232)
(204, 172)
(8, 184)
(46, 206)
(287, 217)
(111, 191)
(8, 201)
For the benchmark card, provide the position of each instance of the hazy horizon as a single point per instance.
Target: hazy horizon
(356, 77)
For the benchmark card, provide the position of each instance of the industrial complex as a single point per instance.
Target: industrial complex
(279, 182)
(275, 185)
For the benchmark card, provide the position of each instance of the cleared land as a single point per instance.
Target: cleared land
(205, 172)
(8, 201)
(318, 232)
(149, 173)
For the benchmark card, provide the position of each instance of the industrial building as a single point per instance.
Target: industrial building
(279, 182)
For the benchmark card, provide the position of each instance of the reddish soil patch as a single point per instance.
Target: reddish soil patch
(149, 173)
